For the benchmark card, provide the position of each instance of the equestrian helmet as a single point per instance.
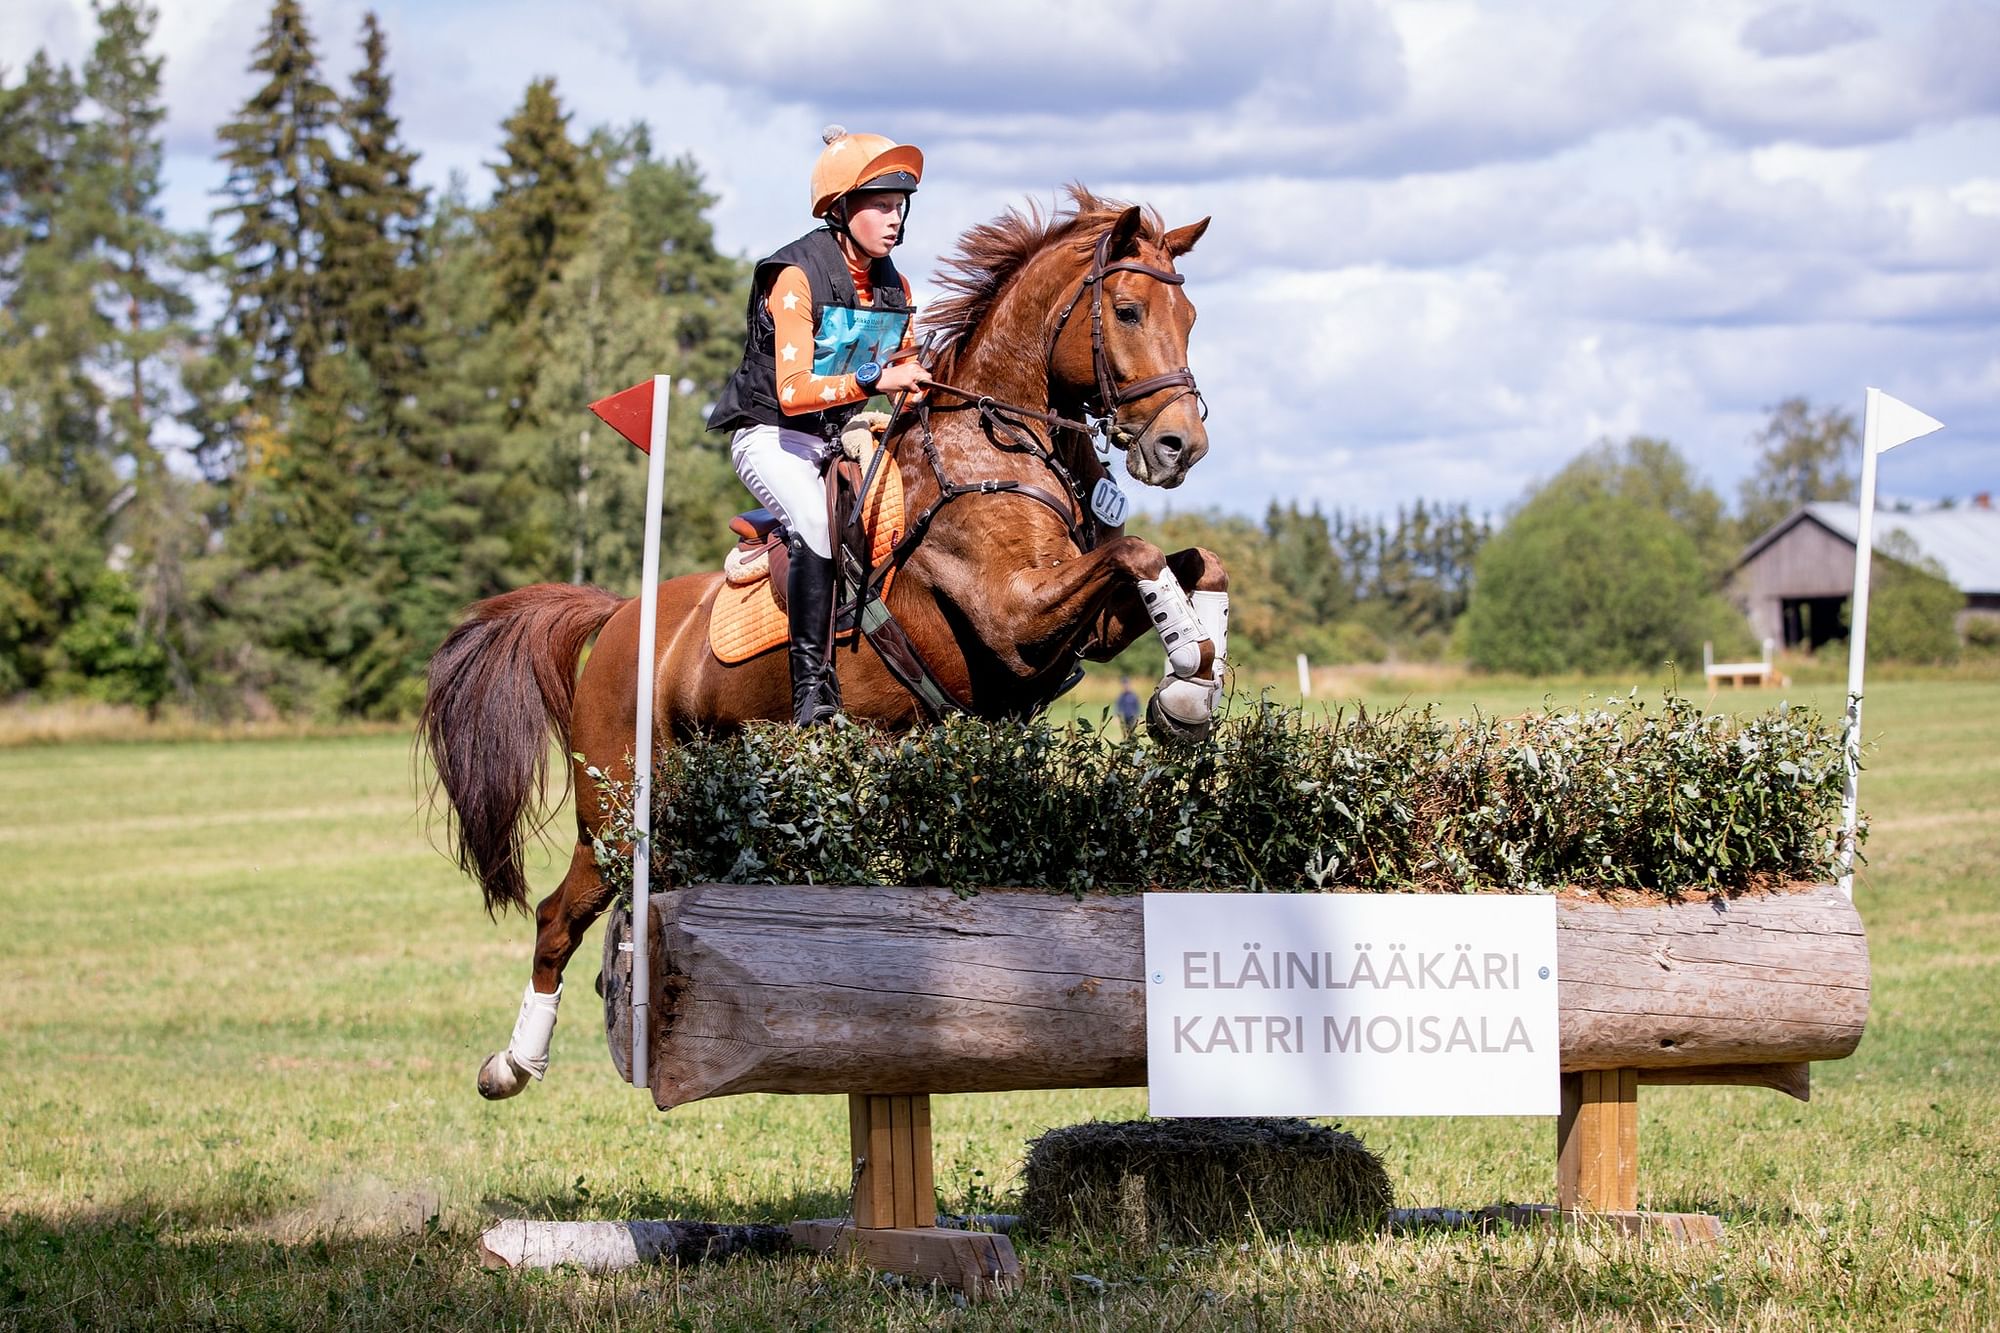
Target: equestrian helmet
(852, 162)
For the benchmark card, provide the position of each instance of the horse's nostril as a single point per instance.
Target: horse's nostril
(1170, 445)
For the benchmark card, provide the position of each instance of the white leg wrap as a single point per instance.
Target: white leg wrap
(1173, 616)
(1211, 612)
(528, 1048)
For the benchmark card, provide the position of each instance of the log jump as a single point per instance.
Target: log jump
(899, 990)
(904, 992)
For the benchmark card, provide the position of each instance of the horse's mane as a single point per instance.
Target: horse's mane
(992, 253)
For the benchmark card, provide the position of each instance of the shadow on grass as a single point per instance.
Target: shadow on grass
(125, 1268)
(130, 1267)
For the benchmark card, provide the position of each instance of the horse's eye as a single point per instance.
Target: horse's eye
(1129, 314)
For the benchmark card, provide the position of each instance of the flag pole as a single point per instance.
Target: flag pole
(1886, 423)
(1857, 645)
(642, 741)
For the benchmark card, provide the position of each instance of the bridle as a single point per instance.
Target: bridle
(1111, 395)
(1012, 420)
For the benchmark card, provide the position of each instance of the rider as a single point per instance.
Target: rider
(825, 313)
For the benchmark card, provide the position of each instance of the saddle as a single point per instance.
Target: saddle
(748, 618)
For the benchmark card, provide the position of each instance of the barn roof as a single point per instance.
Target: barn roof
(1966, 541)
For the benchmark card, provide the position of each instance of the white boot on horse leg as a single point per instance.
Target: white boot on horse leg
(1184, 703)
(507, 1072)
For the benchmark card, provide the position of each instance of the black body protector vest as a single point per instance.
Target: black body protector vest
(846, 335)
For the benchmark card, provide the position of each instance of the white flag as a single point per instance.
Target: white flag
(1895, 422)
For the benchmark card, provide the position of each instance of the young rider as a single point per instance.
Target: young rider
(825, 312)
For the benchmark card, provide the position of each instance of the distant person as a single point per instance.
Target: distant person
(1128, 706)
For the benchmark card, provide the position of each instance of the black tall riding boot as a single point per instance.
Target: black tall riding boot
(809, 603)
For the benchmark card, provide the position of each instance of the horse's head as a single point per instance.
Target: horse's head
(1120, 346)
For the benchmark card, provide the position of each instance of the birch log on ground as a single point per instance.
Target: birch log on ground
(899, 990)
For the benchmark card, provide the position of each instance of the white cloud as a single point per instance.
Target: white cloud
(1455, 240)
(1803, 30)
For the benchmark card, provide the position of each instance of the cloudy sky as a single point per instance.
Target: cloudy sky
(1454, 243)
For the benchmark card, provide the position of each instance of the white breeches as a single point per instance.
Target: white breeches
(782, 468)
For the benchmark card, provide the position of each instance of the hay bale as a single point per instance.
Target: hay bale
(1195, 1180)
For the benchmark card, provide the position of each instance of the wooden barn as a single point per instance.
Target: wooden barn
(1793, 581)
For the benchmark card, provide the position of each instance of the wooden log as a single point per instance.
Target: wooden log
(900, 990)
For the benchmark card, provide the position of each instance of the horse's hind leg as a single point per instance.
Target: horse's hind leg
(560, 922)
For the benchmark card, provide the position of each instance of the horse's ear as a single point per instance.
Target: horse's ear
(1181, 239)
(1125, 232)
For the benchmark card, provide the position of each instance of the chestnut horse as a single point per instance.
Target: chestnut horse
(1011, 582)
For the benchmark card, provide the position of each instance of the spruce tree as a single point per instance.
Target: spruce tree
(548, 188)
(375, 218)
(1305, 565)
(141, 290)
(138, 261)
(279, 161)
(59, 488)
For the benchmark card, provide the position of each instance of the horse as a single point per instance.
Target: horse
(1007, 579)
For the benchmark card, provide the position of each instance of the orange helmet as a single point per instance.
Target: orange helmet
(862, 161)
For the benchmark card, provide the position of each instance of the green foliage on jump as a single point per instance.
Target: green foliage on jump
(1658, 798)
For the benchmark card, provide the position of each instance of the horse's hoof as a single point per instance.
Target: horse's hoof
(1182, 710)
(500, 1078)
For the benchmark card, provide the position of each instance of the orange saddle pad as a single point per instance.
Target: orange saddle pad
(746, 620)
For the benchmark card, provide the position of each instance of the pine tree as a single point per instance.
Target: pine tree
(59, 488)
(279, 163)
(700, 290)
(548, 188)
(139, 255)
(1304, 563)
(141, 287)
(375, 217)
(643, 296)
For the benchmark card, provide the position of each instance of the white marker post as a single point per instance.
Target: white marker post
(1887, 422)
(642, 740)
(1305, 678)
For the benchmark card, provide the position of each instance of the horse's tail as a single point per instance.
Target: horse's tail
(499, 687)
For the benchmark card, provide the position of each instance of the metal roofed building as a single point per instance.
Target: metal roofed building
(1794, 580)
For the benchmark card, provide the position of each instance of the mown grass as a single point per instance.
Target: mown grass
(244, 1001)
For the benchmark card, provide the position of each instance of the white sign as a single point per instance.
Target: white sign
(1351, 1004)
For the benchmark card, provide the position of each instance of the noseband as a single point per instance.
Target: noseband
(1111, 395)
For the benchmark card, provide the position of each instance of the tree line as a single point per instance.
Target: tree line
(259, 468)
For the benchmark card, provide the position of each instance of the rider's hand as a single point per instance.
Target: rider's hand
(901, 376)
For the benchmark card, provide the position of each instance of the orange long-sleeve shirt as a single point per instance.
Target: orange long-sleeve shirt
(790, 304)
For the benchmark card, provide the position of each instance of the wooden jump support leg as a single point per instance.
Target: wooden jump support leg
(1597, 1157)
(894, 1228)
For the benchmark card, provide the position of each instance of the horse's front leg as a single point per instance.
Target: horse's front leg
(1101, 602)
(1181, 704)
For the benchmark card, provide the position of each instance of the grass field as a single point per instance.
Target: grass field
(245, 1000)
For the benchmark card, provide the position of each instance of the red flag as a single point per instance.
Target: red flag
(630, 413)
